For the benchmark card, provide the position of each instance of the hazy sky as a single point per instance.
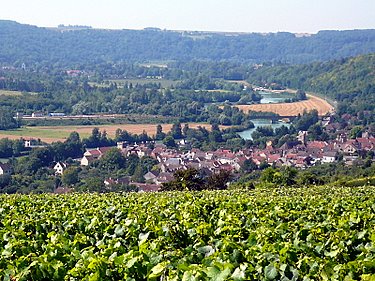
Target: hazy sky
(211, 15)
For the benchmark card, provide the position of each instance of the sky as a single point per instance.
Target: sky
(299, 16)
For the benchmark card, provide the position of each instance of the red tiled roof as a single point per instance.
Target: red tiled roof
(273, 158)
(94, 152)
(105, 149)
(317, 144)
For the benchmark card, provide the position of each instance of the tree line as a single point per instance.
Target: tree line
(33, 45)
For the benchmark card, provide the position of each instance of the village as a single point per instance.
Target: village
(303, 155)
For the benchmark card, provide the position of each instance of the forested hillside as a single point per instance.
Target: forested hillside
(350, 81)
(33, 45)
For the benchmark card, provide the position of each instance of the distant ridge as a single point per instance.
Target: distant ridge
(21, 43)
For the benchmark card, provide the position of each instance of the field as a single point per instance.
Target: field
(14, 93)
(10, 93)
(292, 109)
(316, 233)
(50, 134)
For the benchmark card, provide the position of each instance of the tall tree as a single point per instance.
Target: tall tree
(185, 180)
(159, 132)
(176, 131)
(6, 119)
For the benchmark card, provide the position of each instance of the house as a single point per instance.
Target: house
(366, 144)
(146, 187)
(87, 160)
(257, 159)
(74, 72)
(121, 181)
(164, 178)
(350, 148)
(350, 159)
(329, 157)
(94, 154)
(302, 137)
(316, 145)
(30, 143)
(273, 158)
(302, 162)
(5, 169)
(37, 114)
(60, 168)
(122, 144)
(151, 176)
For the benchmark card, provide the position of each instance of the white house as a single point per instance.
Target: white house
(37, 114)
(329, 157)
(60, 168)
(5, 169)
(30, 142)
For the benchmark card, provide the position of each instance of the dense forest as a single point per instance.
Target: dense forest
(32, 45)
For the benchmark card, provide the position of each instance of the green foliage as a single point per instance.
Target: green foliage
(176, 131)
(184, 180)
(101, 46)
(160, 135)
(218, 181)
(113, 159)
(301, 95)
(350, 82)
(281, 234)
(6, 119)
(368, 181)
(98, 139)
(272, 177)
(9, 148)
(70, 176)
(169, 142)
(356, 132)
(307, 120)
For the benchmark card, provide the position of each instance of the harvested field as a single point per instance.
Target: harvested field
(50, 134)
(10, 93)
(291, 109)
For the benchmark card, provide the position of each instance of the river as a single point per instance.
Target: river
(267, 97)
(246, 135)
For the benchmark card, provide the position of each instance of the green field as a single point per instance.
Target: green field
(45, 133)
(279, 234)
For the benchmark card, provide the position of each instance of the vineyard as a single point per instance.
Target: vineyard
(283, 234)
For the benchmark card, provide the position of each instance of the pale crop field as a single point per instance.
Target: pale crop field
(10, 93)
(51, 134)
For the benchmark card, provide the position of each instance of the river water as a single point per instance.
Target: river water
(246, 135)
(267, 98)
